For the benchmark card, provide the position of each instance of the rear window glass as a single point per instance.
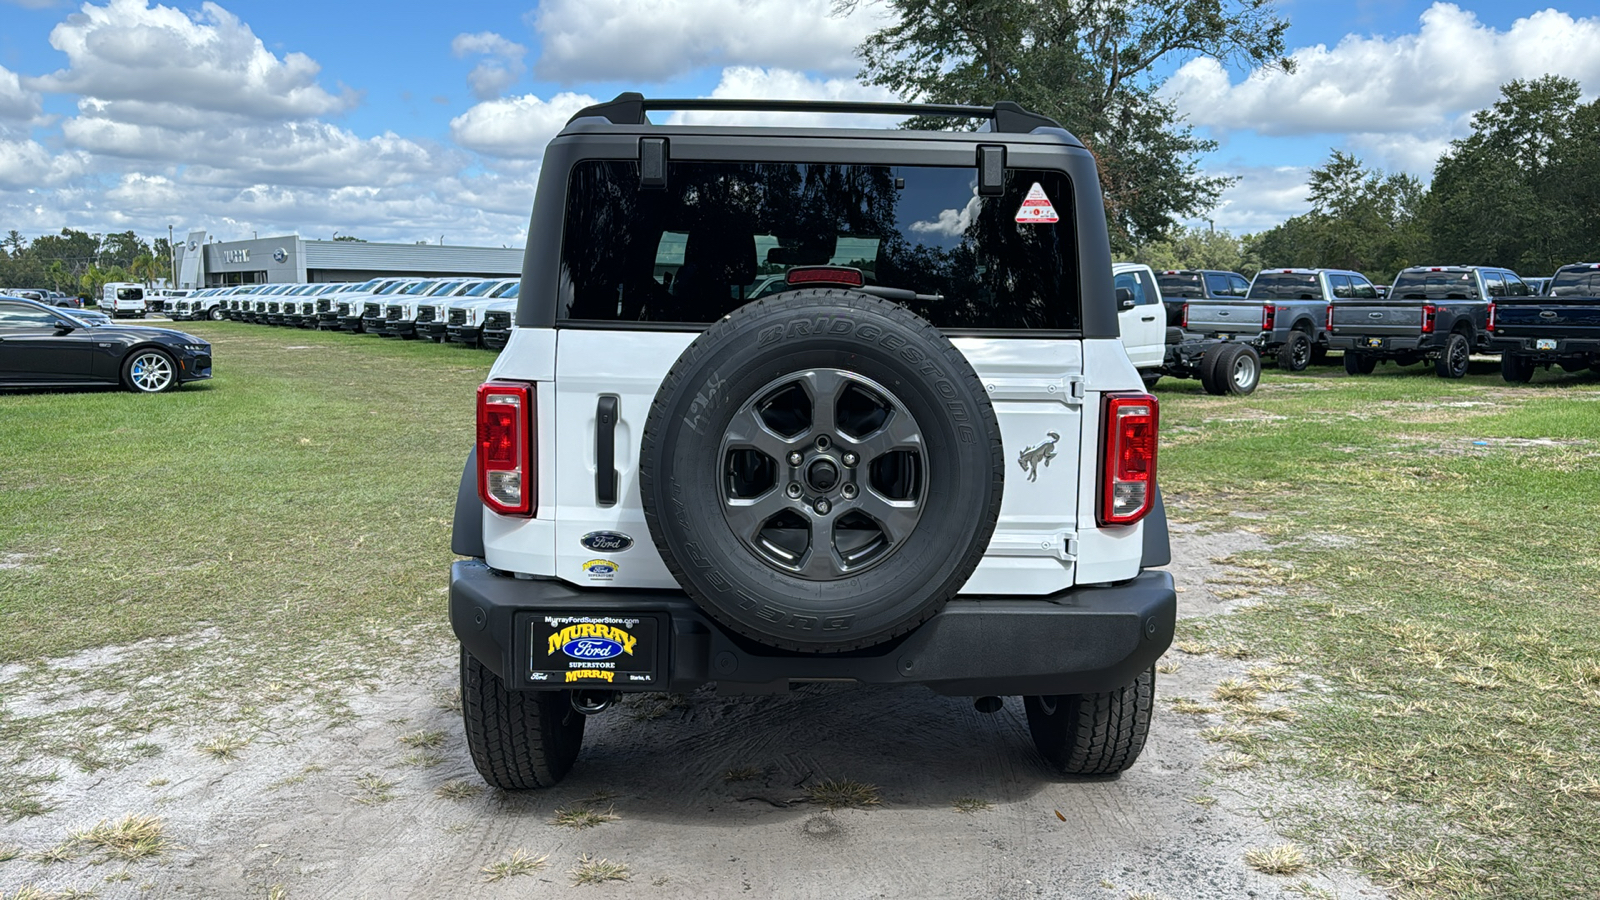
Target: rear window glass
(1576, 283)
(1434, 286)
(1285, 286)
(722, 234)
(1180, 285)
(130, 293)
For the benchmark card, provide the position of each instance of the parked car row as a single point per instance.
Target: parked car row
(1437, 314)
(472, 311)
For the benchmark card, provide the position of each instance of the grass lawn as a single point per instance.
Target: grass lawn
(306, 488)
(1429, 606)
(1436, 574)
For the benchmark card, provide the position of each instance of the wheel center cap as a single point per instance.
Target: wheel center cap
(823, 475)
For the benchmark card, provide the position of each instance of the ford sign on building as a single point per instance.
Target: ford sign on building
(207, 263)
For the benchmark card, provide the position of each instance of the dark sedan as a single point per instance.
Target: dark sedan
(43, 346)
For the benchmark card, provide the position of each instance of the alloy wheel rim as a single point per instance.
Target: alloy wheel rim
(823, 474)
(151, 372)
(1242, 373)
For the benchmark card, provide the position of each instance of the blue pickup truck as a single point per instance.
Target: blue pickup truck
(1561, 327)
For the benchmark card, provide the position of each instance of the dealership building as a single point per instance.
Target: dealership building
(203, 263)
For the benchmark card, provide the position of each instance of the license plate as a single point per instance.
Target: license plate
(1375, 342)
(1544, 344)
(582, 651)
(1224, 337)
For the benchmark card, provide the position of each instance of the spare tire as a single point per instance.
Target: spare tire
(821, 470)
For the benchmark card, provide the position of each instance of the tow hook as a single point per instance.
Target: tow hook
(592, 702)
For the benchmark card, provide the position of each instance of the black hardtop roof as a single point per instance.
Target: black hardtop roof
(1005, 119)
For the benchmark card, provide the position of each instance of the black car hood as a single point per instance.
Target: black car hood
(146, 333)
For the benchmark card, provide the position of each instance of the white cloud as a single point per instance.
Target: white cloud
(952, 222)
(26, 165)
(501, 67)
(1412, 83)
(148, 57)
(515, 127)
(16, 102)
(1263, 196)
(752, 83)
(655, 40)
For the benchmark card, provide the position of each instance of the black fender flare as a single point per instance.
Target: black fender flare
(1157, 545)
(466, 532)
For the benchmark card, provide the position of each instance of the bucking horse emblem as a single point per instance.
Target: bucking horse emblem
(1030, 458)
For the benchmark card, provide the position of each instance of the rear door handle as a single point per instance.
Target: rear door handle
(605, 451)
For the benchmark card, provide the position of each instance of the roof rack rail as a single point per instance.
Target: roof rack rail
(629, 109)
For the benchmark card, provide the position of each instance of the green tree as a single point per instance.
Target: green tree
(1199, 248)
(1362, 219)
(1520, 191)
(75, 249)
(1089, 64)
(122, 248)
(15, 242)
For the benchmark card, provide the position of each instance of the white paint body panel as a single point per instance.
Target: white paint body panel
(1046, 539)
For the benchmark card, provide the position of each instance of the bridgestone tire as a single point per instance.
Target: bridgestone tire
(1358, 363)
(519, 740)
(1236, 370)
(682, 474)
(1295, 354)
(1093, 734)
(1516, 369)
(1453, 362)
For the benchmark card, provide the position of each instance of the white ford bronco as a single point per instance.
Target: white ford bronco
(925, 460)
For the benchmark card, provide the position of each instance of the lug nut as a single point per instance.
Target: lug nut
(795, 458)
(849, 491)
(823, 506)
(851, 459)
(793, 490)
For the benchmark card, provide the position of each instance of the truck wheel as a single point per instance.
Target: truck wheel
(821, 470)
(519, 740)
(1093, 734)
(1149, 379)
(1452, 363)
(1295, 354)
(1516, 369)
(216, 314)
(1237, 370)
(1358, 363)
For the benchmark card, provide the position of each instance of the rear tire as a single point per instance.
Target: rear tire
(216, 314)
(1237, 370)
(1516, 369)
(1093, 734)
(1452, 363)
(519, 740)
(1149, 380)
(1295, 354)
(1358, 363)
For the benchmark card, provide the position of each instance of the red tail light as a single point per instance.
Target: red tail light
(1184, 322)
(1490, 326)
(1429, 311)
(506, 451)
(825, 275)
(1330, 318)
(1269, 316)
(1128, 458)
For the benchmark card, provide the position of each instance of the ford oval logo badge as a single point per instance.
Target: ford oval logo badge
(592, 648)
(606, 541)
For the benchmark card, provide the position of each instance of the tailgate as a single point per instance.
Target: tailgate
(1226, 317)
(1030, 383)
(1378, 319)
(1567, 317)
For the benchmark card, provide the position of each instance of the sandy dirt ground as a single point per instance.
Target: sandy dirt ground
(344, 807)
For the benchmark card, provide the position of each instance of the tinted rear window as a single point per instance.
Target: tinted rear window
(1575, 283)
(1180, 285)
(1434, 286)
(1285, 286)
(720, 232)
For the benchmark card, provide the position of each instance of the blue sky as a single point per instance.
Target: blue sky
(404, 121)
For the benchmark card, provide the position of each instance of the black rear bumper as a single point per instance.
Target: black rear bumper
(1528, 346)
(1080, 640)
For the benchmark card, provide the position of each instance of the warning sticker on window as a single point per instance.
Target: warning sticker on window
(1036, 207)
